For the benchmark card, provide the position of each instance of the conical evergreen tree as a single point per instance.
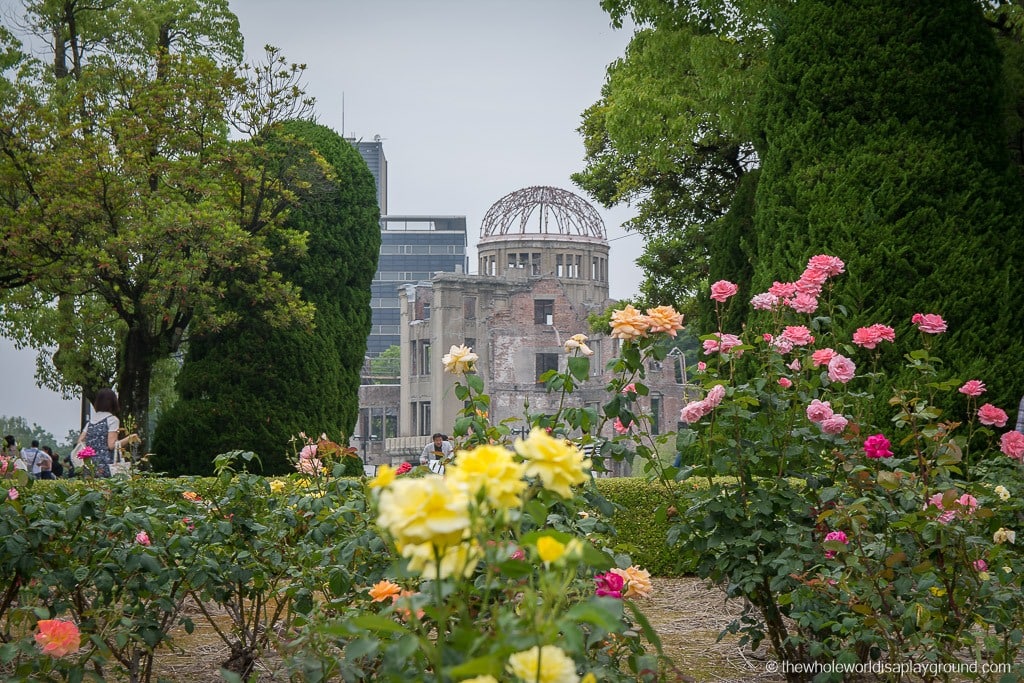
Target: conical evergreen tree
(254, 387)
(884, 144)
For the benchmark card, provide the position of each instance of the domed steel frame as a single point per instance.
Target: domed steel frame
(571, 214)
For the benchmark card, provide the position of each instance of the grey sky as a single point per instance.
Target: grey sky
(473, 99)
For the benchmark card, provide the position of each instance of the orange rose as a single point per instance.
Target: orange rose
(664, 319)
(58, 637)
(382, 590)
(629, 323)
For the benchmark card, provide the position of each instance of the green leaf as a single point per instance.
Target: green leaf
(377, 624)
(579, 367)
(478, 666)
(475, 382)
(600, 611)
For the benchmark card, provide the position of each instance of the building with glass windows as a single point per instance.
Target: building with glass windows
(412, 249)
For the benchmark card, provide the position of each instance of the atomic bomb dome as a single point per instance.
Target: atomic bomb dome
(542, 210)
(546, 232)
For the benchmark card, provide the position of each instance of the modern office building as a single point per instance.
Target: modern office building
(373, 154)
(413, 249)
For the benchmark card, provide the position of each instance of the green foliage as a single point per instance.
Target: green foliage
(642, 521)
(125, 198)
(896, 158)
(18, 427)
(853, 540)
(386, 367)
(253, 386)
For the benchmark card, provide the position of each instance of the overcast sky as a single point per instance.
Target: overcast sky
(473, 99)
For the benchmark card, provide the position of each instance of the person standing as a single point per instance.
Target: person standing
(37, 461)
(101, 432)
(10, 451)
(55, 466)
(1020, 416)
(436, 453)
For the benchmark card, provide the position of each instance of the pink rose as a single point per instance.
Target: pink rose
(798, 335)
(142, 538)
(13, 494)
(715, 396)
(722, 290)
(818, 411)
(701, 366)
(694, 411)
(972, 387)
(947, 515)
(723, 344)
(967, 503)
(870, 337)
(783, 290)
(877, 446)
(765, 301)
(831, 265)
(785, 383)
(309, 452)
(1012, 444)
(803, 302)
(822, 357)
(838, 536)
(812, 276)
(619, 427)
(782, 345)
(929, 323)
(629, 388)
(609, 585)
(841, 369)
(980, 565)
(989, 415)
(795, 365)
(836, 424)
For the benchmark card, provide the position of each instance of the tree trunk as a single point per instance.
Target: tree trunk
(134, 380)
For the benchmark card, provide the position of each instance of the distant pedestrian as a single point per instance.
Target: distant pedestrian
(1020, 416)
(37, 461)
(101, 432)
(10, 451)
(55, 466)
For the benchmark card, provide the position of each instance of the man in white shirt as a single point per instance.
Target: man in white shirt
(36, 459)
(436, 453)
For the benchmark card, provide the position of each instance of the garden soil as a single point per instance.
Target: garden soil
(686, 614)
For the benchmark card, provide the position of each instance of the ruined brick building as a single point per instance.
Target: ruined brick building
(543, 268)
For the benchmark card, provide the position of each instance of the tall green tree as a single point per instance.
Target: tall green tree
(672, 134)
(884, 144)
(254, 387)
(125, 196)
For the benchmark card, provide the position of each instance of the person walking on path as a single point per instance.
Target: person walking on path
(1020, 416)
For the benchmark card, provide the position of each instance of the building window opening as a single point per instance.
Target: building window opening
(545, 363)
(543, 312)
(469, 308)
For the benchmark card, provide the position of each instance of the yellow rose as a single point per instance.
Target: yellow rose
(558, 463)
(459, 359)
(385, 475)
(637, 580)
(460, 559)
(577, 341)
(664, 319)
(546, 664)
(629, 323)
(424, 510)
(1004, 535)
(1002, 492)
(480, 679)
(276, 486)
(550, 549)
(492, 469)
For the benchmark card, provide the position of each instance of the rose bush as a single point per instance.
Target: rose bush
(850, 541)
